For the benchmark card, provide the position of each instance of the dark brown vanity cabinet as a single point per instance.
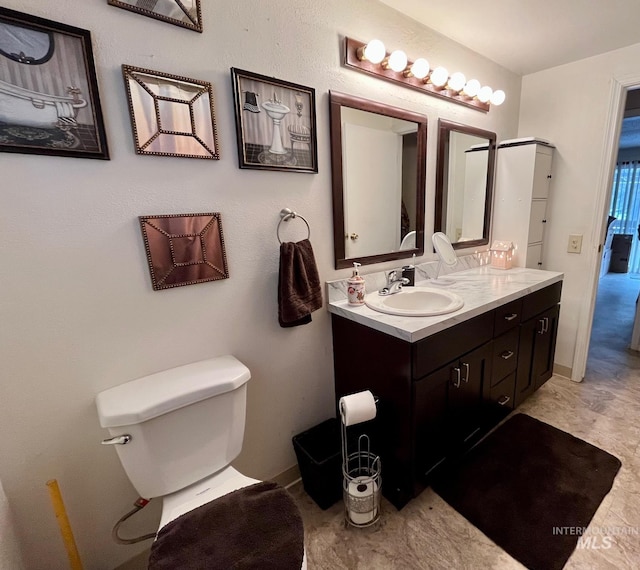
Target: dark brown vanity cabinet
(441, 394)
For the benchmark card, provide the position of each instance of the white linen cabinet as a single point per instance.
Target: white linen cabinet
(523, 177)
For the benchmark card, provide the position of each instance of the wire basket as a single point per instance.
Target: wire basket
(362, 484)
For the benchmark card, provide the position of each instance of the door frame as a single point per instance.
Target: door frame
(617, 99)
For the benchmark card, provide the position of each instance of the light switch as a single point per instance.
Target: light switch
(575, 243)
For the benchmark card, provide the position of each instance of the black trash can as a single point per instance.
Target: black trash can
(620, 250)
(319, 456)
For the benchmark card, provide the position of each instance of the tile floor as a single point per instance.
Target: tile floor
(604, 410)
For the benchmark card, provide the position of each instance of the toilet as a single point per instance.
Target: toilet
(176, 433)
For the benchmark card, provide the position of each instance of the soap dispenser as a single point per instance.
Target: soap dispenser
(409, 272)
(355, 287)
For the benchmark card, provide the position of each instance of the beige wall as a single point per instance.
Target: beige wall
(570, 105)
(77, 310)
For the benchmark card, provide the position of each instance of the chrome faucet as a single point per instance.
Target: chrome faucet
(394, 283)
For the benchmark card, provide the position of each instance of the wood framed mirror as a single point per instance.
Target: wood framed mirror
(185, 13)
(171, 115)
(464, 183)
(378, 159)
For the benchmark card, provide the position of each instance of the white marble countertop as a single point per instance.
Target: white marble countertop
(482, 288)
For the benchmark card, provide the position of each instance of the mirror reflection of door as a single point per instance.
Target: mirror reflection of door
(376, 228)
(376, 166)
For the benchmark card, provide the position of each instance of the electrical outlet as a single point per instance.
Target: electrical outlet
(575, 243)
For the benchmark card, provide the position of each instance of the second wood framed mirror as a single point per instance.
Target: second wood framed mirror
(464, 183)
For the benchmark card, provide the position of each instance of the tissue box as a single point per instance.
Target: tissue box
(502, 254)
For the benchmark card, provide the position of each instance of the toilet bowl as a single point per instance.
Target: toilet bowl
(176, 433)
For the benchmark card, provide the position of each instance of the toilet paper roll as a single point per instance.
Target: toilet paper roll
(357, 408)
(364, 496)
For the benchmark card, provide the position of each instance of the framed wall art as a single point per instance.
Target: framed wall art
(184, 249)
(275, 123)
(171, 115)
(49, 102)
(185, 13)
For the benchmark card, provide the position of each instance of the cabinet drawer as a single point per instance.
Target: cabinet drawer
(541, 300)
(507, 317)
(505, 355)
(437, 350)
(501, 397)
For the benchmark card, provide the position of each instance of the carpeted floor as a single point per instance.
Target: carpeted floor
(602, 410)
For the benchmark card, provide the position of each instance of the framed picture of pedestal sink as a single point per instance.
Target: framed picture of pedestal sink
(49, 102)
(275, 123)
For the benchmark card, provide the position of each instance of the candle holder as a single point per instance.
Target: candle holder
(502, 254)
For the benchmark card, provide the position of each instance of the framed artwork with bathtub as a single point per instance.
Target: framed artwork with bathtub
(275, 123)
(49, 102)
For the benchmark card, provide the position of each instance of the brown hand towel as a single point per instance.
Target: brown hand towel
(299, 290)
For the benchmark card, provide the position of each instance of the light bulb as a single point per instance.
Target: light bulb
(397, 60)
(374, 51)
(498, 97)
(471, 88)
(439, 76)
(485, 94)
(420, 68)
(456, 81)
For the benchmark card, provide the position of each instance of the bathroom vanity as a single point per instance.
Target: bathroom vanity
(444, 381)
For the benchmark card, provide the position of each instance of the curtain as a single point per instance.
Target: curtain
(625, 207)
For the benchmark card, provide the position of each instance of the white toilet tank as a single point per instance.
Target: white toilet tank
(185, 423)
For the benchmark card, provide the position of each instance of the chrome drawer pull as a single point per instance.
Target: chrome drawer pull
(466, 372)
(456, 382)
(503, 400)
(511, 317)
(507, 354)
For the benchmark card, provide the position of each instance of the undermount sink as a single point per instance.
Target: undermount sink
(416, 302)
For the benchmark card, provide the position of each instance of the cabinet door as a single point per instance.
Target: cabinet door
(537, 220)
(524, 379)
(542, 173)
(536, 352)
(429, 416)
(464, 406)
(545, 347)
(534, 256)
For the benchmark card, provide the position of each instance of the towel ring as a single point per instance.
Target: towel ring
(285, 215)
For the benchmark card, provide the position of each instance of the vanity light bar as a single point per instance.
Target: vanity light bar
(372, 58)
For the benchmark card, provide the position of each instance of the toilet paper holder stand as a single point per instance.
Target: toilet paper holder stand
(362, 481)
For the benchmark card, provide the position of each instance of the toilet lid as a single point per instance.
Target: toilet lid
(254, 527)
